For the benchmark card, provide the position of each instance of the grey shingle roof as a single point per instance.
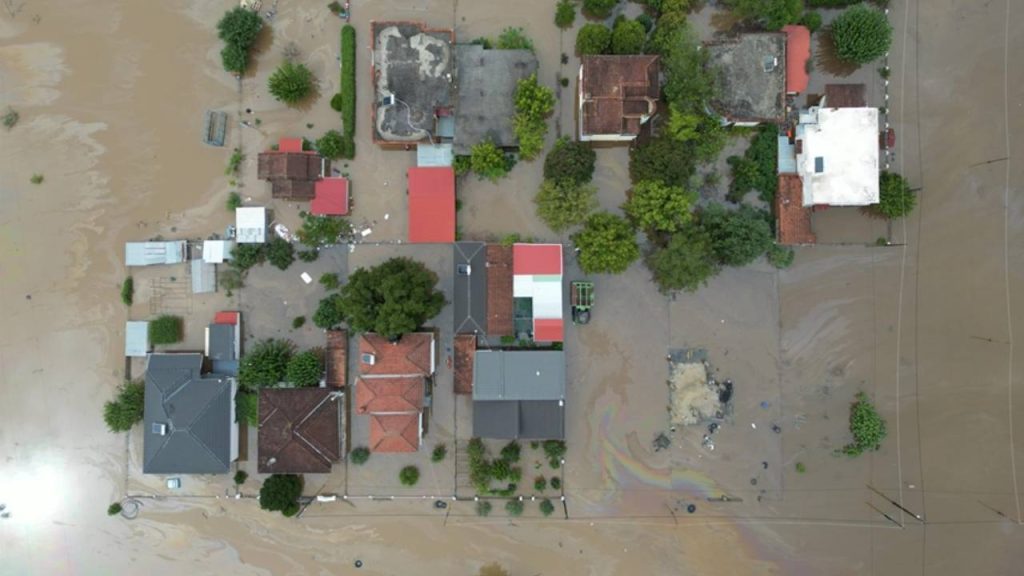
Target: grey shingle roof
(519, 375)
(197, 411)
(470, 303)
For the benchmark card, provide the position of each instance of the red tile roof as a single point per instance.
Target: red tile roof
(547, 329)
(432, 204)
(845, 96)
(615, 91)
(330, 197)
(290, 145)
(226, 318)
(532, 259)
(386, 395)
(337, 358)
(395, 433)
(411, 355)
(300, 430)
(291, 174)
(465, 350)
(499, 290)
(793, 220)
(798, 52)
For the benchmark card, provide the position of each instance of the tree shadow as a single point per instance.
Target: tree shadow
(264, 40)
(826, 59)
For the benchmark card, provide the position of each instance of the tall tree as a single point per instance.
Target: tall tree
(895, 199)
(685, 263)
(861, 34)
(738, 237)
(291, 82)
(392, 298)
(656, 207)
(607, 244)
(563, 203)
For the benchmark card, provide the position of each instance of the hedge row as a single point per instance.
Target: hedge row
(348, 88)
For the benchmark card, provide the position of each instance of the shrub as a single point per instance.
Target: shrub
(780, 256)
(234, 201)
(772, 14)
(291, 82)
(800, 468)
(607, 244)
(280, 492)
(330, 144)
(266, 364)
(534, 104)
(392, 298)
(320, 231)
(546, 507)
(336, 102)
(484, 507)
(439, 453)
(240, 477)
(646, 21)
(330, 281)
(866, 425)
(540, 483)
(409, 476)
(234, 161)
(756, 169)
(229, 279)
(562, 204)
(359, 455)
(114, 509)
(298, 322)
(36, 178)
(306, 368)
(328, 313)
(11, 115)
(661, 159)
(128, 291)
(685, 263)
(280, 253)
(811, 20)
(308, 255)
(738, 237)
(569, 159)
(245, 256)
(565, 14)
(121, 413)
(554, 450)
(655, 207)
(348, 83)
(514, 39)
(511, 452)
(238, 29)
(487, 161)
(463, 165)
(593, 39)
(895, 199)
(514, 507)
(556, 483)
(600, 9)
(166, 329)
(247, 407)
(861, 34)
(628, 37)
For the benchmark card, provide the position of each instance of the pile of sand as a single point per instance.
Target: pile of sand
(693, 398)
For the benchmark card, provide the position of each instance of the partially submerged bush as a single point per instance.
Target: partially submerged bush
(866, 426)
(280, 492)
(128, 291)
(359, 455)
(165, 329)
(409, 476)
(126, 408)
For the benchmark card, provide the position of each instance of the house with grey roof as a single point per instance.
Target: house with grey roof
(751, 73)
(486, 80)
(519, 394)
(470, 301)
(189, 417)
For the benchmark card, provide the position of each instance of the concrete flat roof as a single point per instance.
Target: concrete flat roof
(837, 156)
(487, 81)
(751, 71)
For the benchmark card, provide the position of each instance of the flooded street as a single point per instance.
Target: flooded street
(111, 96)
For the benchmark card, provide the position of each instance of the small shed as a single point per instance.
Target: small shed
(217, 251)
(431, 155)
(251, 225)
(204, 277)
(153, 253)
(136, 339)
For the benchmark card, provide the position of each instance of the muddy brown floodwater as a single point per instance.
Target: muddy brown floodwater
(111, 95)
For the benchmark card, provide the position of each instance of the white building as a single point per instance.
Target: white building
(251, 225)
(217, 251)
(837, 156)
(153, 253)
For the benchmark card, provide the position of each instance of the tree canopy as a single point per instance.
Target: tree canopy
(306, 368)
(331, 144)
(514, 39)
(599, 8)
(861, 34)
(266, 363)
(487, 161)
(280, 253)
(534, 104)
(656, 207)
(866, 426)
(564, 203)
(772, 14)
(322, 230)
(607, 244)
(126, 408)
(570, 159)
(328, 312)
(685, 263)
(291, 82)
(895, 199)
(628, 37)
(280, 493)
(166, 329)
(390, 299)
(238, 28)
(662, 159)
(565, 14)
(593, 39)
(738, 237)
(756, 169)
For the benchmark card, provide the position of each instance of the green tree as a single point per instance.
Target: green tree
(689, 84)
(514, 39)
(234, 58)
(234, 201)
(487, 161)
(662, 159)
(866, 426)
(628, 37)
(322, 230)
(666, 31)
(126, 408)
(861, 34)
(280, 493)
(738, 237)
(331, 144)
(811, 20)
(593, 39)
(895, 199)
(265, 364)
(240, 477)
(439, 453)
(359, 455)
(328, 313)
(247, 407)
(514, 507)
(655, 207)
(599, 9)
(245, 256)
(534, 104)
(483, 508)
(565, 14)
(330, 281)
(280, 253)
(409, 476)
(546, 507)
(569, 159)
(607, 244)
(563, 203)
(306, 368)
(128, 291)
(756, 169)
(540, 483)
(392, 298)
(291, 82)
(686, 263)
(114, 509)
(772, 14)
(238, 28)
(780, 256)
(166, 329)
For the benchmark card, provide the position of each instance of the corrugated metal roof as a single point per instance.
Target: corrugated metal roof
(136, 339)
(519, 419)
(204, 277)
(519, 375)
(153, 253)
(434, 155)
(787, 156)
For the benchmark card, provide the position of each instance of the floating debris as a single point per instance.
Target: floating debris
(661, 442)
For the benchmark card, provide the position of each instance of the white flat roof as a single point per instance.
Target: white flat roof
(837, 158)
(251, 225)
(546, 292)
(217, 251)
(136, 339)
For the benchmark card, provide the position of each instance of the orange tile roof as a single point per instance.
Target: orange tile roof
(337, 358)
(384, 395)
(465, 350)
(395, 433)
(411, 355)
(793, 220)
(499, 290)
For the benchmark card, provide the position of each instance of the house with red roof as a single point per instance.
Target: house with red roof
(432, 204)
(391, 388)
(292, 171)
(798, 52)
(537, 291)
(330, 197)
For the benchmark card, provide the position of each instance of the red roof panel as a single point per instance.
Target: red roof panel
(798, 52)
(432, 204)
(547, 329)
(289, 145)
(226, 318)
(330, 197)
(536, 259)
